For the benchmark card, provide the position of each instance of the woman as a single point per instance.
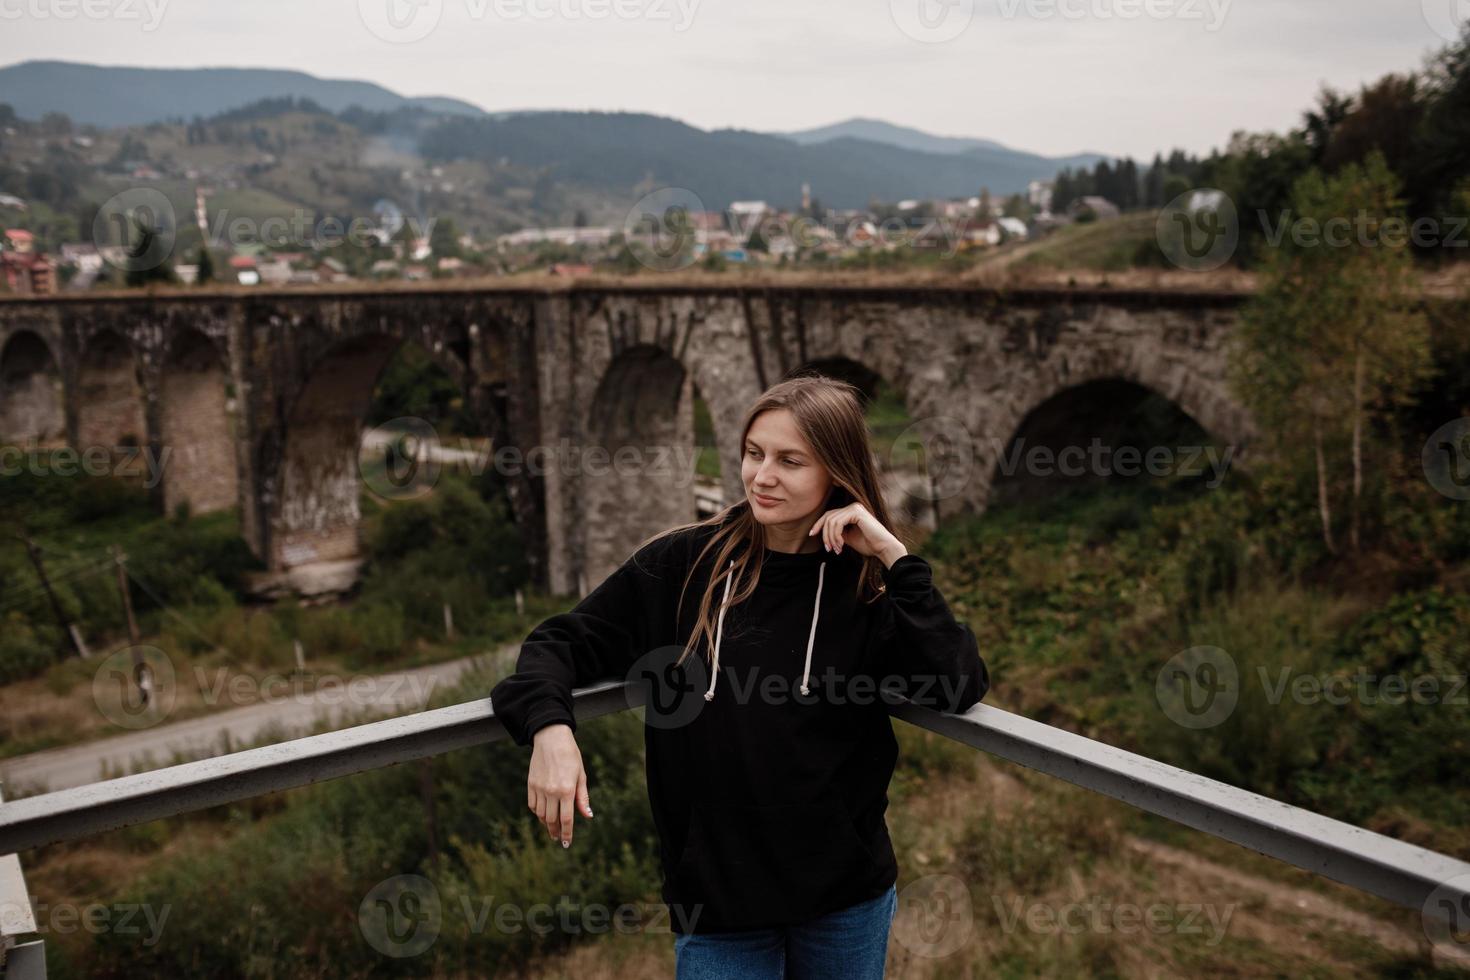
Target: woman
(784, 626)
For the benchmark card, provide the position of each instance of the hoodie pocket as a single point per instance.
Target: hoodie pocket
(748, 866)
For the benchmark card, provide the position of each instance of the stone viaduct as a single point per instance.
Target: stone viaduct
(256, 399)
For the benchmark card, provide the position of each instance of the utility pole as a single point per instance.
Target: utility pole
(67, 627)
(142, 674)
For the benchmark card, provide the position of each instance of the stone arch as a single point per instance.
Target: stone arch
(1201, 397)
(32, 403)
(855, 373)
(197, 426)
(1100, 430)
(313, 501)
(110, 400)
(642, 416)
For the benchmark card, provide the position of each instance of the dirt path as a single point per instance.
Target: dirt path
(292, 714)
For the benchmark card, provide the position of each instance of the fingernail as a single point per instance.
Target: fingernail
(566, 843)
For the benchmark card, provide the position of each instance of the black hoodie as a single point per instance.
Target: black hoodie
(768, 802)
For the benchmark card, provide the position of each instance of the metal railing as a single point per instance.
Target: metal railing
(1384, 866)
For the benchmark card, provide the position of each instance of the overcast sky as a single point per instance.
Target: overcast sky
(1052, 76)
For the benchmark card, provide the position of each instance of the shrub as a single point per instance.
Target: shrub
(23, 652)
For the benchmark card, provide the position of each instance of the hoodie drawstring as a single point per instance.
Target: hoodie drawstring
(811, 637)
(714, 670)
(810, 640)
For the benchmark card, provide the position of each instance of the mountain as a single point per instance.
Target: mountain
(878, 131)
(622, 151)
(108, 96)
(595, 156)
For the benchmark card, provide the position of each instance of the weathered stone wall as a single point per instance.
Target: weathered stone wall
(258, 399)
(32, 398)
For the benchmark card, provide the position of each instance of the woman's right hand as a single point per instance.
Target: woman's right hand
(557, 782)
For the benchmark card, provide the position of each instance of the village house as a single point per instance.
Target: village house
(23, 270)
(331, 270)
(1101, 207)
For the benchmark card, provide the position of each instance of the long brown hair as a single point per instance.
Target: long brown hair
(829, 415)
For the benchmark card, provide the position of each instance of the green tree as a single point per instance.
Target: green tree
(206, 266)
(1016, 207)
(140, 243)
(1333, 340)
(757, 240)
(444, 239)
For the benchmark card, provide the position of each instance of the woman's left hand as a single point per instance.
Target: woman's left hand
(854, 525)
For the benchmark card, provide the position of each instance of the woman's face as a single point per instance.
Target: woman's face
(784, 481)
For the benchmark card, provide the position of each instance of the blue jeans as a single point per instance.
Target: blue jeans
(850, 944)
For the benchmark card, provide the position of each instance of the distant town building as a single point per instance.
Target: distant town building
(746, 215)
(28, 274)
(83, 256)
(275, 273)
(1100, 206)
(707, 223)
(331, 270)
(23, 270)
(1009, 229)
(1038, 195)
(556, 236)
(13, 202)
(19, 240)
(242, 268)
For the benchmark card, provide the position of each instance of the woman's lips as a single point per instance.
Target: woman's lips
(767, 501)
